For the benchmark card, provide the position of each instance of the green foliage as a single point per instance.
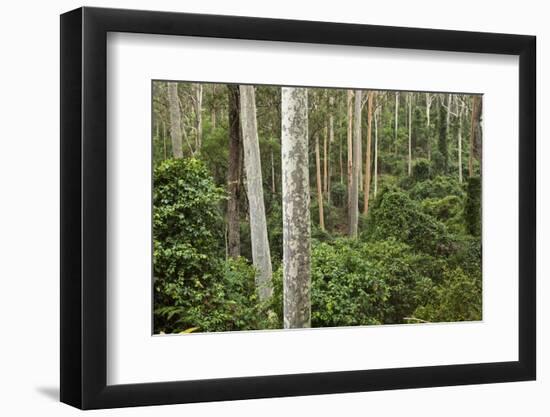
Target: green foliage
(392, 164)
(345, 289)
(186, 206)
(472, 210)
(339, 194)
(439, 187)
(228, 302)
(193, 285)
(361, 283)
(448, 210)
(395, 215)
(458, 298)
(421, 170)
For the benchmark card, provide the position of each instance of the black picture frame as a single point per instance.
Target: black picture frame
(84, 207)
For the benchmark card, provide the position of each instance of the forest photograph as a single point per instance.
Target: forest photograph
(279, 207)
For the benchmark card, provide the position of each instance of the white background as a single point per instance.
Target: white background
(29, 220)
(134, 356)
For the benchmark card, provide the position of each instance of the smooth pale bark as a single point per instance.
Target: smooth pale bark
(213, 111)
(350, 145)
(319, 185)
(442, 145)
(409, 166)
(175, 120)
(360, 150)
(475, 134)
(164, 138)
(354, 198)
(459, 139)
(261, 256)
(449, 104)
(429, 99)
(341, 160)
(233, 173)
(296, 218)
(198, 114)
(396, 118)
(329, 172)
(366, 188)
(376, 151)
(330, 144)
(325, 160)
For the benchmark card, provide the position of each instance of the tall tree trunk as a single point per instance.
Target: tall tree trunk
(325, 160)
(330, 144)
(354, 200)
(175, 120)
(459, 139)
(428, 126)
(360, 150)
(442, 144)
(319, 184)
(164, 138)
(409, 165)
(341, 160)
(350, 145)
(233, 173)
(448, 124)
(449, 104)
(261, 256)
(376, 151)
(296, 217)
(475, 135)
(213, 111)
(273, 188)
(396, 119)
(366, 188)
(198, 114)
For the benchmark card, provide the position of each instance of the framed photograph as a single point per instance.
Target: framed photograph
(257, 208)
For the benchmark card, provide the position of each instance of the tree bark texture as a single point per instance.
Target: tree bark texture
(261, 256)
(175, 120)
(459, 140)
(350, 145)
(409, 164)
(428, 126)
(198, 113)
(296, 217)
(366, 187)
(354, 198)
(319, 184)
(233, 172)
(475, 135)
(376, 151)
(396, 119)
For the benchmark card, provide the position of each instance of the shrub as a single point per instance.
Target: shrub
(457, 298)
(439, 187)
(228, 302)
(345, 290)
(395, 215)
(357, 283)
(448, 210)
(406, 273)
(421, 170)
(194, 287)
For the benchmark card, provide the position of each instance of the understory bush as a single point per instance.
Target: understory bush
(194, 286)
